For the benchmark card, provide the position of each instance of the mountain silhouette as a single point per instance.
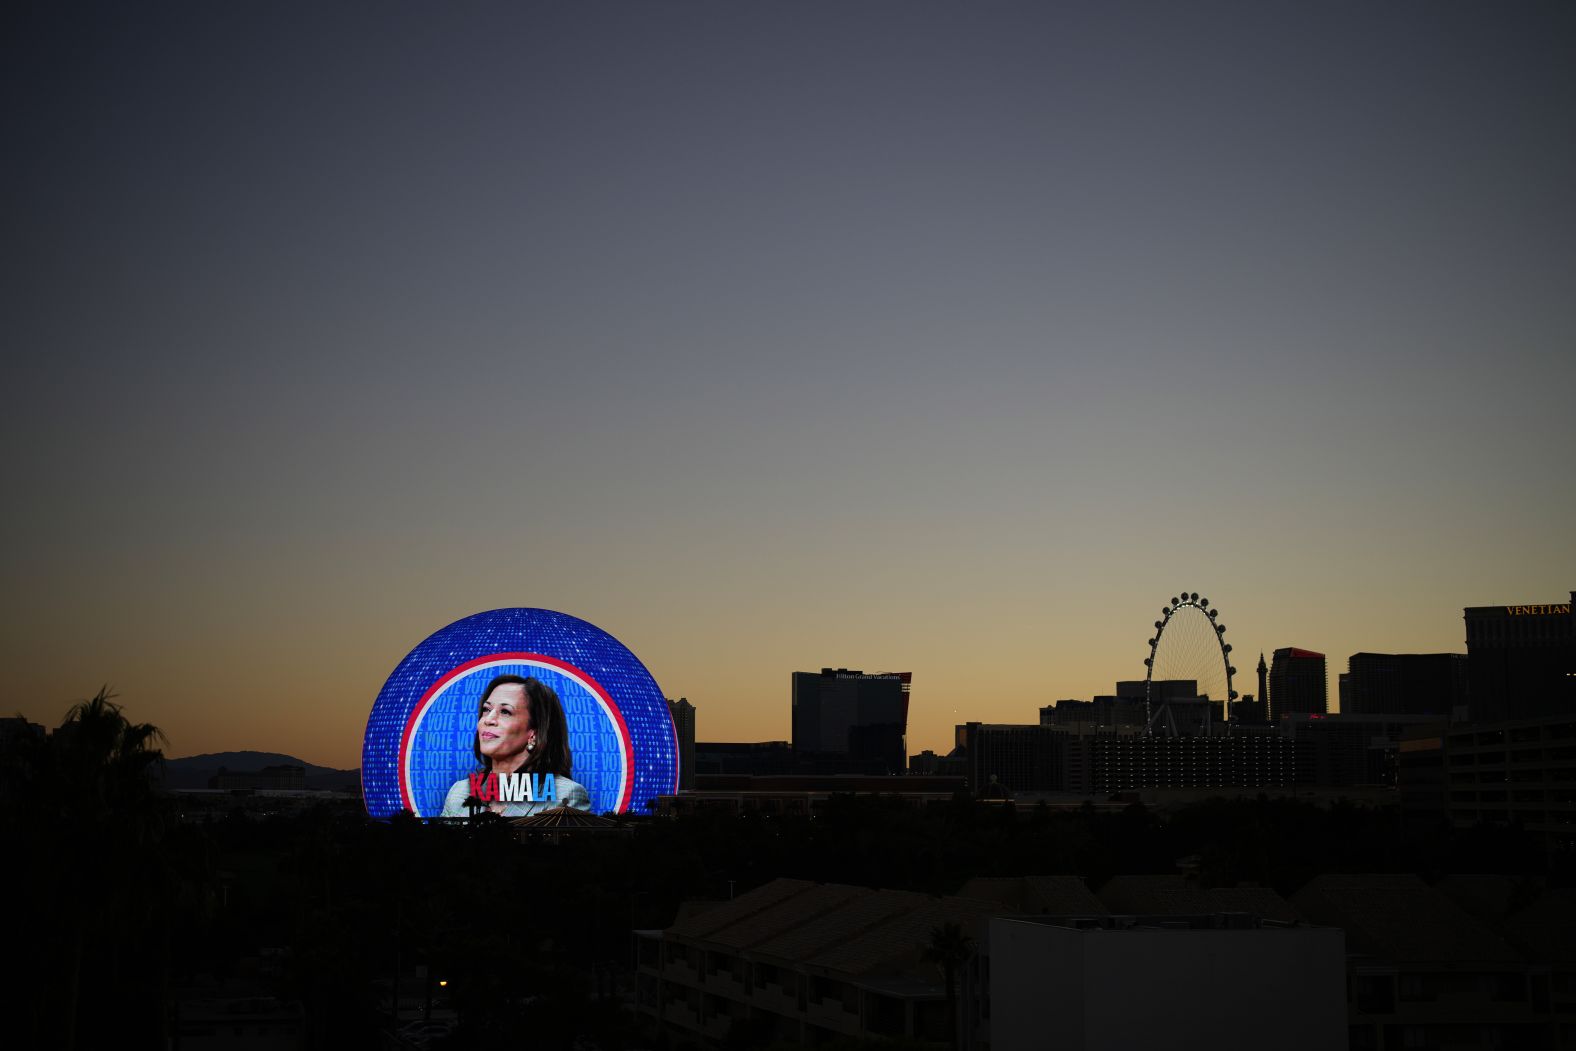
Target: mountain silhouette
(193, 771)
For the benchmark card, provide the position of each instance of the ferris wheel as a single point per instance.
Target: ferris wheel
(1189, 646)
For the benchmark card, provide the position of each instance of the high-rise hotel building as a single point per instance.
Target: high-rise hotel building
(844, 714)
(1298, 683)
(1405, 684)
(1521, 660)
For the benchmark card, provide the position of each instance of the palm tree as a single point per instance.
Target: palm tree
(950, 948)
(98, 784)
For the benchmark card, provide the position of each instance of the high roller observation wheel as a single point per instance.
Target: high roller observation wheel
(1179, 604)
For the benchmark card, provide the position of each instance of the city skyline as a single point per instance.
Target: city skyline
(885, 336)
(937, 727)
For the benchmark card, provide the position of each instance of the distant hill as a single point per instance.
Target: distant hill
(193, 771)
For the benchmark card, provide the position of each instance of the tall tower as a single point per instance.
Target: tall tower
(683, 713)
(1264, 688)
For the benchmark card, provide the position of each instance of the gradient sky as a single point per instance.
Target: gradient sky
(950, 338)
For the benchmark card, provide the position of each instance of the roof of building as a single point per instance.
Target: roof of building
(882, 935)
(853, 916)
(897, 946)
(691, 908)
(1487, 897)
(1261, 901)
(703, 925)
(851, 930)
(782, 916)
(1399, 918)
(1177, 895)
(1545, 931)
(1045, 895)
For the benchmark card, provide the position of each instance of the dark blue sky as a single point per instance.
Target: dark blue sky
(936, 337)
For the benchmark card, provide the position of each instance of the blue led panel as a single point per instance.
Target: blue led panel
(422, 728)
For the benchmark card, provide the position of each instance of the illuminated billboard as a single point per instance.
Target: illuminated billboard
(517, 711)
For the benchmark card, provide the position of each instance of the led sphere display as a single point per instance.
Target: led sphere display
(518, 710)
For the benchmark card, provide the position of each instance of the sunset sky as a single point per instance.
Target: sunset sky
(934, 337)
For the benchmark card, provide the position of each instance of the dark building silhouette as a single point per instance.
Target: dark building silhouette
(810, 964)
(1127, 764)
(1297, 683)
(1159, 691)
(1104, 714)
(1337, 751)
(752, 758)
(1019, 758)
(1405, 684)
(1424, 972)
(1174, 705)
(843, 714)
(1249, 710)
(1521, 772)
(1130, 708)
(928, 763)
(684, 727)
(1522, 660)
(1120, 982)
(805, 964)
(803, 794)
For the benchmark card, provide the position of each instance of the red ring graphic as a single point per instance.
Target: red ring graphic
(495, 658)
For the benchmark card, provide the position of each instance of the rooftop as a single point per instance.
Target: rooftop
(1400, 918)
